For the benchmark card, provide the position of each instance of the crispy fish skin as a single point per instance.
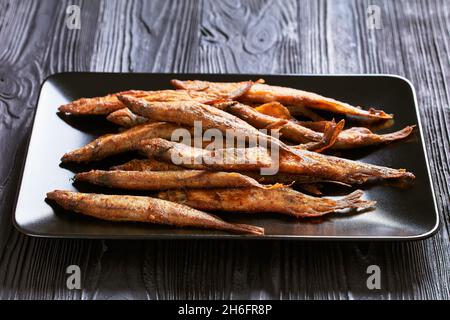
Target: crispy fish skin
(107, 104)
(277, 110)
(255, 200)
(97, 105)
(187, 112)
(165, 180)
(358, 137)
(262, 121)
(355, 137)
(190, 112)
(144, 209)
(341, 170)
(316, 141)
(125, 118)
(308, 184)
(203, 159)
(315, 166)
(238, 91)
(111, 144)
(147, 165)
(263, 93)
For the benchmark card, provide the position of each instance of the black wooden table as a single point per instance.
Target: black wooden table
(254, 36)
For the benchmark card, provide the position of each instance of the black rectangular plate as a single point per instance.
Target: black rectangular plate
(400, 213)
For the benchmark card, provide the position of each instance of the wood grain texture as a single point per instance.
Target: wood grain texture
(223, 36)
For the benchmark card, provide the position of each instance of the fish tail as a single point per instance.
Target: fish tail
(397, 135)
(247, 229)
(354, 201)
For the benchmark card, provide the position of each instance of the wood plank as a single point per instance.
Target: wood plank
(31, 267)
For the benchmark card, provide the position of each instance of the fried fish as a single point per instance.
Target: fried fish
(312, 165)
(355, 137)
(110, 103)
(112, 144)
(307, 184)
(263, 93)
(144, 209)
(233, 159)
(165, 180)
(191, 112)
(256, 200)
(98, 105)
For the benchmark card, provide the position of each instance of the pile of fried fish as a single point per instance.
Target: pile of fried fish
(184, 194)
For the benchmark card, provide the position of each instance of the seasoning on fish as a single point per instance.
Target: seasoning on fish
(255, 200)
(111, 144)
(144, 209)
(307, 184)
(355, 137)
(263, 93)
(330, 168)
(191, 112)
(315, 140)
(165, 180)
(233, 159)
(315, 166)
(147, 165)
(97, 105)
(107, 104)
(187, 112)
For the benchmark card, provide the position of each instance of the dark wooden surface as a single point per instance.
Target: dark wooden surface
(222, 36)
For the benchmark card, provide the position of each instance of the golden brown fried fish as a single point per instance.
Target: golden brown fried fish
(304, 183)
(335, 139)
(234, 159)
(144, 209)
(165, 180)
(191, 112)
(107, 104)
(263, 93)
(312, 165)
(111, 144)
(256, 200)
